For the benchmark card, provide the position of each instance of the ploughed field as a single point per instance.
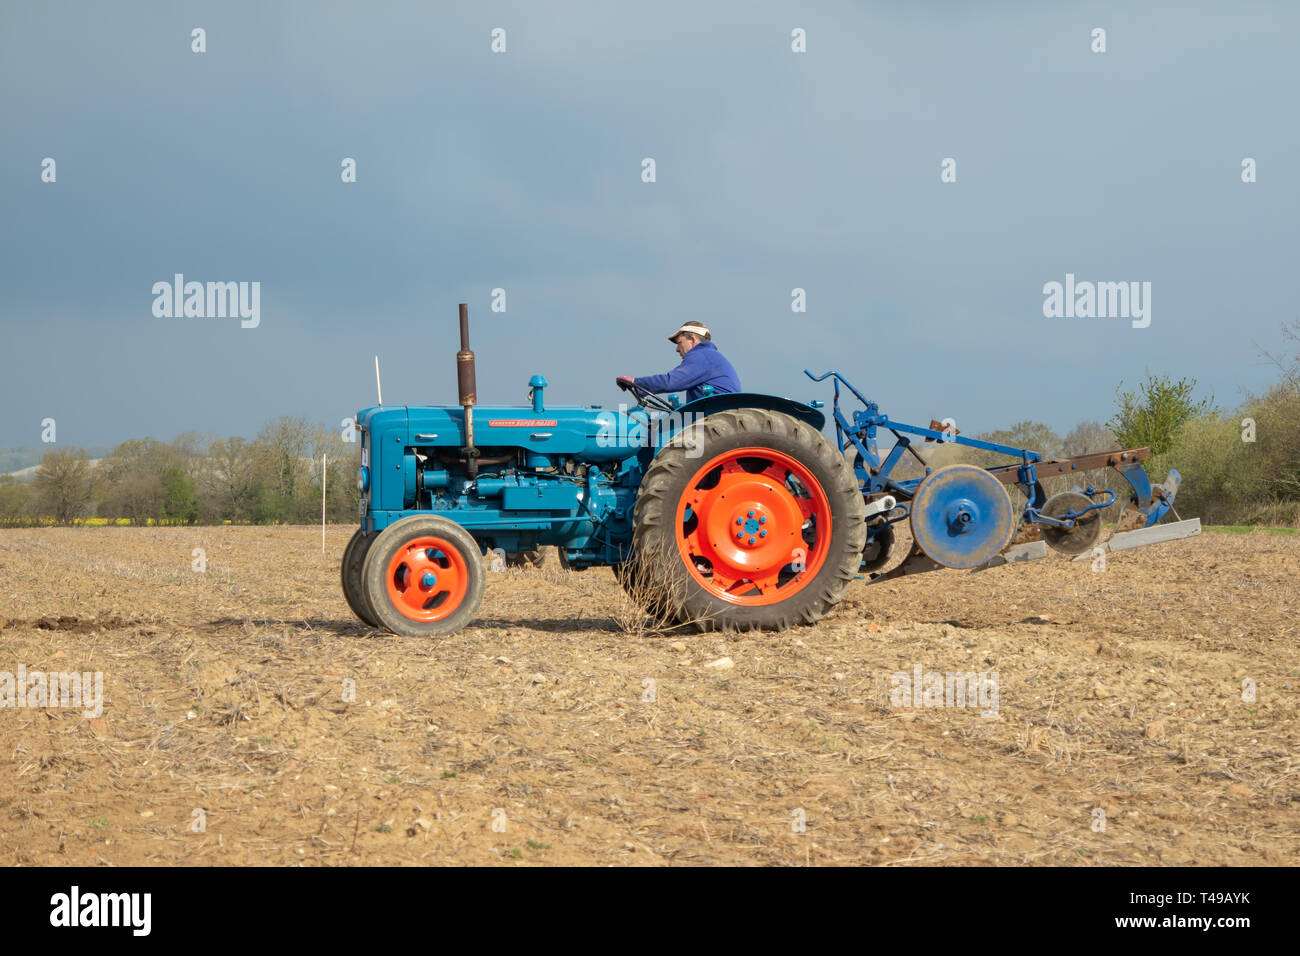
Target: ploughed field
(554, 731)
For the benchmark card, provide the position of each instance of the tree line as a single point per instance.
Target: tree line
(194, 479)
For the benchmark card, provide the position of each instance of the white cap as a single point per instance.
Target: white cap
(695, 328)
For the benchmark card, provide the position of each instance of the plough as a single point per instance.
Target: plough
(961, 515)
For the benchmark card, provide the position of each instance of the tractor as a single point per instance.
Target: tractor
(733, 511)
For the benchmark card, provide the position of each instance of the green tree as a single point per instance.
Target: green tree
(229, 479)
(180, 503)
(1276, 450)
(130, 482)
(285, 450)
(63, 484)
(1155, 414)
(17, 504)
(1221, 475)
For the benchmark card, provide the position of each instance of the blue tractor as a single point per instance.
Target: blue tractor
(734, 511)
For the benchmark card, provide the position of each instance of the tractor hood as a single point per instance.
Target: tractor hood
(589, 432)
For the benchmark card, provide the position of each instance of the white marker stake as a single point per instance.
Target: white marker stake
(378, 388)
(322, 504)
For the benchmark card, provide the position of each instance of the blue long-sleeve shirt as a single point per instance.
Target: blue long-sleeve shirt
(703, 365)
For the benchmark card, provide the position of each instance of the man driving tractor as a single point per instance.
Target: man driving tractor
(702, 364)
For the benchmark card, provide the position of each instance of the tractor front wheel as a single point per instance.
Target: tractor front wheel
(354, 557)
(748, 519)
(423, 577)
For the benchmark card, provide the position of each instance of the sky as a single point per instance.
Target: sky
(522, 170)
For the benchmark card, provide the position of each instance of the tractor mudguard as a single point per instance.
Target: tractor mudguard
(730, 401)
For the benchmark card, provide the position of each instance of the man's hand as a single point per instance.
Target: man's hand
(624, 382)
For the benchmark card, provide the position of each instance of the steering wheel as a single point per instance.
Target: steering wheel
(644, 397)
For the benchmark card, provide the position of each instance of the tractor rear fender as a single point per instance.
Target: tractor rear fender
(729, 401)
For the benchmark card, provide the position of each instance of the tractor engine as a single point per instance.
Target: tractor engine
(524, 477)
(536, 476)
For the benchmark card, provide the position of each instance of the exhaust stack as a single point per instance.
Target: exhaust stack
(467, 387)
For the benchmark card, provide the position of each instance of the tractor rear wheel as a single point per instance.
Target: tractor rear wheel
(354, 556)
(423, 577)
(747, 519)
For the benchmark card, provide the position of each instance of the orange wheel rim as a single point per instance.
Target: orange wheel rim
(427, 579)
(753, 526)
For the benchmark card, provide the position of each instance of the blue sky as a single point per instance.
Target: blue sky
(522, 170)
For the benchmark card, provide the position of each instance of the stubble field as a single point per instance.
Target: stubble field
(550, 732)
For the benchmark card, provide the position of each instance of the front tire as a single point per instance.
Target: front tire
(762, 526)
(354, 556)
(423, 577)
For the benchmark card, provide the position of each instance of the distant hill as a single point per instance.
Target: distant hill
(23, 462)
